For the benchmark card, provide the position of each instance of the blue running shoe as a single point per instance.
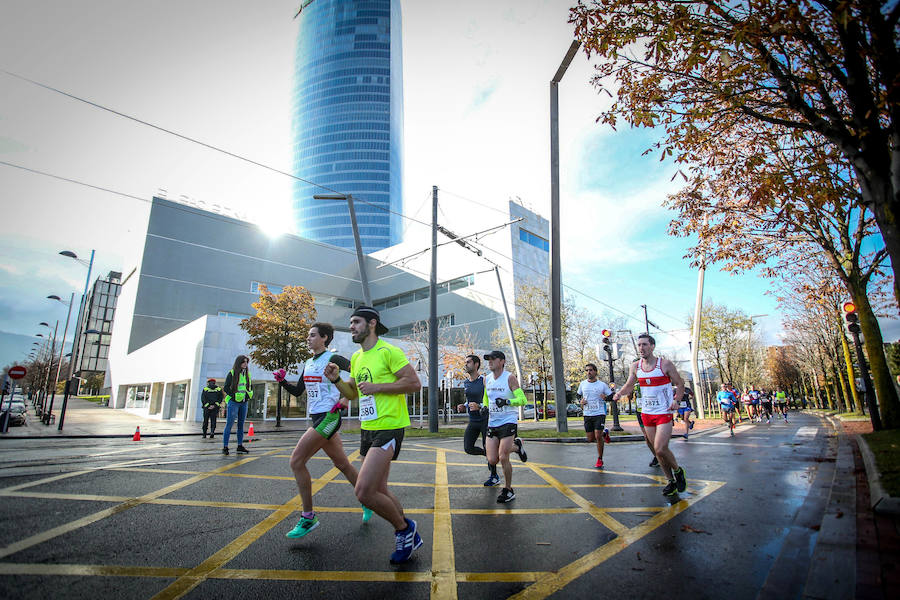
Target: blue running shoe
(405, 543)
(492, 481)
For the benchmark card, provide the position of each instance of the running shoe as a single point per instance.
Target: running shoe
(225, 450)
(606, 436)
(680, 480)
(670, 489)
(506, 495)
(654, 462)
(520, 449)
(691, 425)
(492, 481)
(685, 436)
(304, 526)
(405, 543)
(242, 450)
(599, 464)
(367, 513)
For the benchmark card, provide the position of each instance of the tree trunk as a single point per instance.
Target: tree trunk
(828, 401)
(845, 393)
(888, 402)
(884, 199)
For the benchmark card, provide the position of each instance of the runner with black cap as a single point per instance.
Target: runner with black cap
(478, 415)
(501, 395)
(380, 377)
(324, 408)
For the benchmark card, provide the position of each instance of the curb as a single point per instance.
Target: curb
(83, 436)
(882, 503)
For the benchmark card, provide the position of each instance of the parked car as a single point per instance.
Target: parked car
(17, 412)
(551, 410)
(573, 410)
(528, 411)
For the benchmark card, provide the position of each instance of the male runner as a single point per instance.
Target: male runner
(766, 398)
(478, 415)
(593, 394)
(380, 377)
(637, 404)
(661, 391)
(323, 406)
(728, 402)
(756, 402)
(684, 411)
(501, 395)
(781, 401)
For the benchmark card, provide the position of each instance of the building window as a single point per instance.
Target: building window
(422, 293)
(534, 239)
(231, 315)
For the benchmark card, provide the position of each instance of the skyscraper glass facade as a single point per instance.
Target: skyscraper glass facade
(348, 120)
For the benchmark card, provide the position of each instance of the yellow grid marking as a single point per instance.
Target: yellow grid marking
(273, 574)
(108, 512)
(29, 484)
(555, 581)
(201, 572)
(86, 570)
(588, 507)
(443, 559)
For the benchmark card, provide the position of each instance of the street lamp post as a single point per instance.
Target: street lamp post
(46, 417)
(80, 325)
(559, 384)
(49, 368)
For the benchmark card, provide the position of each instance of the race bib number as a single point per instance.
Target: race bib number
(312, 388)
(593, 404)
(682, 404)
(367, 409)
(496, 409)
(651, 402)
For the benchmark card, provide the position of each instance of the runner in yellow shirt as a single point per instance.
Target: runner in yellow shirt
(380, 377)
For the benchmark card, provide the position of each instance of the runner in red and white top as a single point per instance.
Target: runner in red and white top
(661, 390)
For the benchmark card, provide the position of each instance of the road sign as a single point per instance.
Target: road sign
(17, 372)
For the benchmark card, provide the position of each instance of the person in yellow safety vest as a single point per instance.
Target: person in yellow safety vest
(238, 393)
(211, 399)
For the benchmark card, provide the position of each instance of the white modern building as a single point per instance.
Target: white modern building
(194, 275)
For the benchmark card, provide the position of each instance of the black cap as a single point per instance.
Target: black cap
(494, 354)
(368, 313)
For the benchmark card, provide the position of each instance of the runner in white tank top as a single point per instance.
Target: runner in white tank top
(322, 398)
(657, 377)
(501, 395)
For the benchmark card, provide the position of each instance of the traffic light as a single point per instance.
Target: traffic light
(607, 343)
(5, 385)
(851, 317)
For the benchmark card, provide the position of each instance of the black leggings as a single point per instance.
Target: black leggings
(473, 430)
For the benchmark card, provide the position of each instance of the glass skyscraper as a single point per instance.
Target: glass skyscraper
(348, 120)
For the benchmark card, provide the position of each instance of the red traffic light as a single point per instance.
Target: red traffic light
(605, 333)
(849, 307)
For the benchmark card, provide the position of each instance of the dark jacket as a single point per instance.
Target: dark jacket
(212, 397)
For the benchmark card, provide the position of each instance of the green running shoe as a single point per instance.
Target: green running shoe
(367, 513)
(303, 527)
(680, 480)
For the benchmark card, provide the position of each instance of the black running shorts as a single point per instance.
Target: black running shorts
(379, 438)
(595, 423)
(502, 431)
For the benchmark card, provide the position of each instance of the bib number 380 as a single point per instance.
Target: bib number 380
(367, 408)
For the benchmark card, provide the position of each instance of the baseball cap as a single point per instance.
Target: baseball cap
(494, 354)
(368, 313)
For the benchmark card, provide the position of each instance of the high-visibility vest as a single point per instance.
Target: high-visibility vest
(243, 389)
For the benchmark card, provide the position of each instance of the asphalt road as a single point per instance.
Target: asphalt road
(173, 518)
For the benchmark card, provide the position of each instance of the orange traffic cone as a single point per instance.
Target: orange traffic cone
(137, 434)
(250, 433)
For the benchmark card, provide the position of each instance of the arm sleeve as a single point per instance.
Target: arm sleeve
(342, 363)
(518, 398)
(487, 401)
(227, 386)
(295, 390)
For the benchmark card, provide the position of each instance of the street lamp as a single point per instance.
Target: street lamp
(79, 324)
(46, 416)
(364, 280)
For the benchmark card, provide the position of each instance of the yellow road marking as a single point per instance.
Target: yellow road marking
(87, 570)
(201, 572)
(501, 577)
(29, 484)
(284, 575)
(108, 512)
(443, 558)
(61, 496)
(555, 581)
(517, 511)
(587, 506)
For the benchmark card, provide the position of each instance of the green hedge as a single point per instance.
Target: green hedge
(97, 399)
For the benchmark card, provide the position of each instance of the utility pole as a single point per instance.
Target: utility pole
(559, 384)
(432, 321)
(646, 320)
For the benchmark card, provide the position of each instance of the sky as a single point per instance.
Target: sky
(476, 121)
